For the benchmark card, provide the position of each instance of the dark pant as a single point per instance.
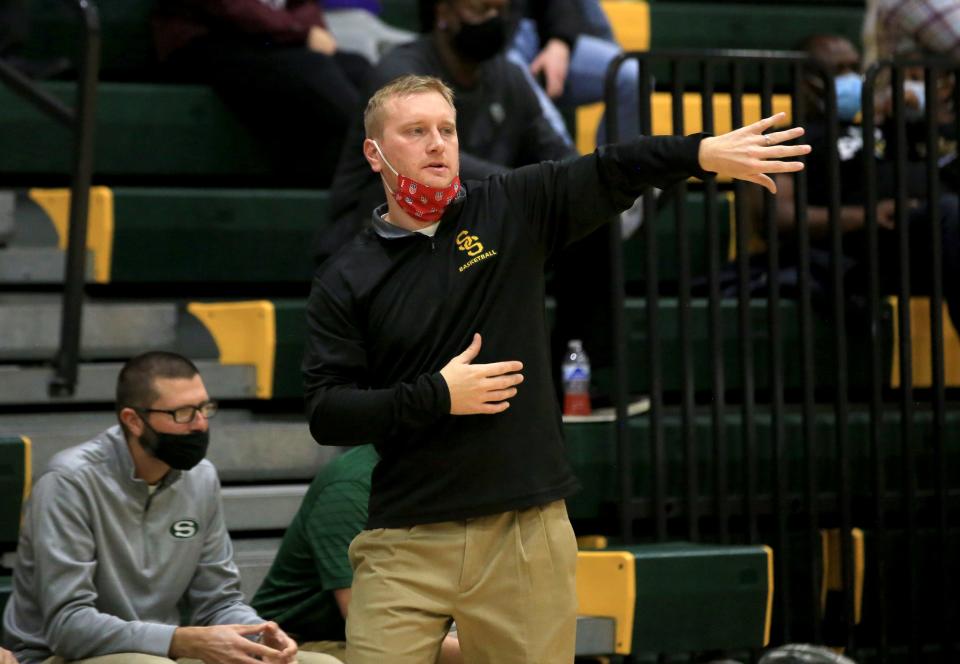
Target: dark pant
(13, 25)
(299, 103)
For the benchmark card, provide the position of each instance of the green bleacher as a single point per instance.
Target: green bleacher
(594, 454)
(755, 26)
(150, 234)
(143, 130)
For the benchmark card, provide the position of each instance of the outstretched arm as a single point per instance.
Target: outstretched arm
(566, 201)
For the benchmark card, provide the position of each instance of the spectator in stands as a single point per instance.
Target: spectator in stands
(307, 590)
(276, 66)
(466, 518)
(840, 58)
(123, 538)
(357, 27)
(894, 28)
(554, 42)
(912, 29)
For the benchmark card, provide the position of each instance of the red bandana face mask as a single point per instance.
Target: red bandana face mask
(420, 201)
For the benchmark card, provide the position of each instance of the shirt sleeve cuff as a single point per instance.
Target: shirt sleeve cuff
(674, 154)
(441, 393)
(156, 639)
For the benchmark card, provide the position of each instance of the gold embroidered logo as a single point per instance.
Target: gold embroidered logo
(474, 248)
(469, 243)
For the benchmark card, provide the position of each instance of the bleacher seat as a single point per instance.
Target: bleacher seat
(679, 597)
(592, 449)
(922, 344)
(241, 237)
(143, 130)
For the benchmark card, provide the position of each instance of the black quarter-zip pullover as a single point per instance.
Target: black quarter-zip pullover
(392, 308)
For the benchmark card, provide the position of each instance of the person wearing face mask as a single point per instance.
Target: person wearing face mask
(840, 58)
(427, 338)
(125, 532)
(501, 127)
(500, 122)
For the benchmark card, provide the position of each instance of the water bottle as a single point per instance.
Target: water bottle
(576, 380)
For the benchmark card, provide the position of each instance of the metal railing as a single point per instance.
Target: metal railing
(886, 80)
(80, 119)
(799, 499)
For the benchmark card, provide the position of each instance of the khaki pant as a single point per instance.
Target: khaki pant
(140, 658)
(336, 649)
(507, 580)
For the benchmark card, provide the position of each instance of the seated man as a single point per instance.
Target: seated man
(840, 58)
(307, 589)
(124, 535)
(554, 41)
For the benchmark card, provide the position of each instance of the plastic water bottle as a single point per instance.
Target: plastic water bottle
(576, 380)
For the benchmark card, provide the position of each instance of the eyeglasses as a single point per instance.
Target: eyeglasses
(185, 414)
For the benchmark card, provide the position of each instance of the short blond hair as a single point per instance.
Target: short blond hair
(404, 86)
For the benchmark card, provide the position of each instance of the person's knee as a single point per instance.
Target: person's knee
(628, 77)
(316, 658)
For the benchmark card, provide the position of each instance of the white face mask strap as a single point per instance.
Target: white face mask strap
(389, 165)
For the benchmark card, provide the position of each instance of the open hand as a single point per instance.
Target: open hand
(748, 154)
(480, 389)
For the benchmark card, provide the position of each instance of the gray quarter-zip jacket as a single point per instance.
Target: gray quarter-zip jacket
(105, 567)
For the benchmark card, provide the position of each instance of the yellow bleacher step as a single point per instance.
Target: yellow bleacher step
(245, 334)
(922, 344)
(588, 116)
(100, 224)
(832, 580)
(607, 587)
(630, 22)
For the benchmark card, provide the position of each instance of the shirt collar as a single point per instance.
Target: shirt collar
(389, 231)
(121, 450)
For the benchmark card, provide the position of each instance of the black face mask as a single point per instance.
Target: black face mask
(481, 41)
(181, 451)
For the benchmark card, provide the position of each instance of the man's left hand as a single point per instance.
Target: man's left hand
(748, 154)
(554, 62)
(274, 637)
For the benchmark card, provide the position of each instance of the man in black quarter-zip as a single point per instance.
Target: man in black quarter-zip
(427, 337)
